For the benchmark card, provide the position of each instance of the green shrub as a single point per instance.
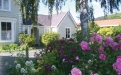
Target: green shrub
(93, 27)
(106, 31)
(48, 37)
(116, 30)
(27, 39)
(22, 37)
(30, 40)
(13, 46)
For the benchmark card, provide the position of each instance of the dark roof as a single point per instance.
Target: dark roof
(45, 20)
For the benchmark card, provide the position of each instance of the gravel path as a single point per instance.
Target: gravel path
(6, 57)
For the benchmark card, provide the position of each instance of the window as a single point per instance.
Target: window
(6, 31)
(4, 4)
(68, 34)
(26, 30)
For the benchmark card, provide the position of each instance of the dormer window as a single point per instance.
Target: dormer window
(5, 5)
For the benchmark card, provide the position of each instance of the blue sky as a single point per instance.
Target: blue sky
(70, 5)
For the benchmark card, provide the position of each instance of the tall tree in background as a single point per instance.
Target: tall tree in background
(29, 8)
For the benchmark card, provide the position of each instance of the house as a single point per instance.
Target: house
(63, 23)
(108, 23)
(10, 22)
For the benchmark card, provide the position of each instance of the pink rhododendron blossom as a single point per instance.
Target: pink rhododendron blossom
(118, 57)
(96, 74)
(118, 36)
(108, 39)
(117, 66)
(77, 58)
(113, 44)
(106, 44)
(94, 34)
(76, 71)
(92, 39)
(98, 38)
(84, 45)
(102, 56)
(101, 49)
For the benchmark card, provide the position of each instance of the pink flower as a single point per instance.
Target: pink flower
(76, 71)
(118, 57)
(77, 58)
(101, 49)
(92, 39)
(108, 39)
(94, 34)
(98, 38)
(38, 69)
(117, 66)
(95, 74)
(37, 57)
(102, 56)
(118, 36)
(106, 44)
(84, 45)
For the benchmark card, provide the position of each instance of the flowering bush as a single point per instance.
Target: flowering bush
(99, 56)
(22, 67)
(95, 57)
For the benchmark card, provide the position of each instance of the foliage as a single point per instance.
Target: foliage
(116, 30)
(98, 56)
(13, 46)
(106, 31)
(48, 37)
(93, 27)
(95, 57)
(28, 9)
(22, 37)
(30, 40)
(22, 67)
(108, 17)
(27, 39)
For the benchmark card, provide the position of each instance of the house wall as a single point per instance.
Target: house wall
(66, 22)
(13, 13)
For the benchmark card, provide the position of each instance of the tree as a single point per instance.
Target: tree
(29, 8)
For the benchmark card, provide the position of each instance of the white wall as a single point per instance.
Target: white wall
(66, 22)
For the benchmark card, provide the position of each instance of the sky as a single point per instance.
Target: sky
(70, 6)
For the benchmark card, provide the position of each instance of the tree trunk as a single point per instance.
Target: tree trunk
(84, 17)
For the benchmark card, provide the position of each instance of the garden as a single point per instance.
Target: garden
(100, 55)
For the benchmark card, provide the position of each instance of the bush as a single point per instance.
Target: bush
(93, 27)
(106, 31)
(116, 30)
(27, 39)
(30, 40)
(13, 46)
(96, 57)
(48, 37)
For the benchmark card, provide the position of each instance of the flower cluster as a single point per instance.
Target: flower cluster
(117, 65)
(96, 38)
(84, 45)
(76, 71)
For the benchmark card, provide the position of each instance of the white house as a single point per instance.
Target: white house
(10, 22)
(63, 23)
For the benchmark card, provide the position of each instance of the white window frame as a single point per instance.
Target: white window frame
(13, 32)
(69, 34)
(9, 7)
